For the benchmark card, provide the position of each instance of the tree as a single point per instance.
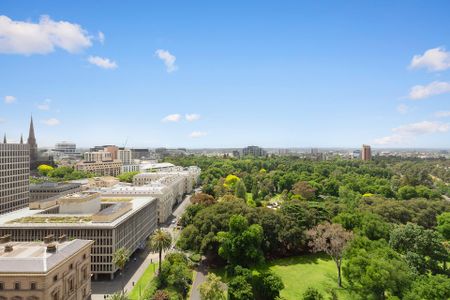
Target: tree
(241, 245)
(240, 287)
(267, 285)
(331, 239)
(305, 190)
(430, 288)
(161, 295)
(127, 176)
(423, 248)
(407, 192)
(373, 269)
(202, 198)
(443, 225)
(312, 294)
(44, 170)
(212, 288)
(241, 191)
(160, 241)
(231, 181)
(120, 258)
(118, 296)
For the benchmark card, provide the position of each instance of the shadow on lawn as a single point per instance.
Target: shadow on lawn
(302, 259)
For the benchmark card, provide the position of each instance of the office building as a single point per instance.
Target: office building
(100, 168)
(14, 176)
(137, 153)
(254, 151)
(45, 190)
(366, 153)
(45, 270)
(124, 156)
(110, 222)
(65, 150)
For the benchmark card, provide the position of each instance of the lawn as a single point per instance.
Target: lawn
(300, 272)
(144, 283)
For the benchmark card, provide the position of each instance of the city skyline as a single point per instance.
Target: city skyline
(216, 75)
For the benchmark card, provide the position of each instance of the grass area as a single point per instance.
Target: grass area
(44, 219)
(300, 272)
(144, 283)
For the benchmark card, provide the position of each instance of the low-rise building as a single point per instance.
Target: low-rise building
(100, 168)
(41, 271)
(113, 226)
(45, 190)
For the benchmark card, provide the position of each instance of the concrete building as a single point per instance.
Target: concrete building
(366, 153)
(96, 156)
(124, 156)
(45, 271)
(137, 153)
(45, 190)
(129, 168)
(254, 151)
(66, 150)
(114, 226)
(100, 168)
(14, 176)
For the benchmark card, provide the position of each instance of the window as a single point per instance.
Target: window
(55, 278)
(2, 286)
(71, 266)
(33, 286)
(17, 286)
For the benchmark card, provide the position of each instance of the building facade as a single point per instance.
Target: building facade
(14, 176)
(254, 151)
(45, 271)
(366, 153)
(124, 156)
(47, 190)
(100, 168)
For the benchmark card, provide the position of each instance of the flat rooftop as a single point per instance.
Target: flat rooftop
(27, 218)
(32, 257)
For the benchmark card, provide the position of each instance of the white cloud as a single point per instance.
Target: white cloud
(424, 91)
(406, 133)
(172, 118)
(436, 59)
(18, 37)
(101, 37)
(192, 117)
(51, 122)
(403, 108)
(44, 105)
(9, 99)
(197, 134)
(442, 114)
(168, 59)
(102, 62)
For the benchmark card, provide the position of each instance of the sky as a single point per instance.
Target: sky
(227, 73)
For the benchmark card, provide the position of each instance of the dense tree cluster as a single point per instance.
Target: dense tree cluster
(386, 222)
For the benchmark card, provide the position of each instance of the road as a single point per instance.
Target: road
(139, 262)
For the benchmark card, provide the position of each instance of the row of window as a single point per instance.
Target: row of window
(17, 286)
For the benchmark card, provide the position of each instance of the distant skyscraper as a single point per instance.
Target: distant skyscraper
(14, 176)
(254, 151)
(366, 152)
(32, 144)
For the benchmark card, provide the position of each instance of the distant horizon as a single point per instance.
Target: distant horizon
(221, 74)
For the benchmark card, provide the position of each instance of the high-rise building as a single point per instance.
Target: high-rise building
(124, 156)
(254, 151)
(366, 152)
(66, 150)
(14, 176)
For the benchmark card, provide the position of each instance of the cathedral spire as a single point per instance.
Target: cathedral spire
(4, 139)
(21, 138)
(32, 142)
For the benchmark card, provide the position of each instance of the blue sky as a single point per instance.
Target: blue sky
(271, 73)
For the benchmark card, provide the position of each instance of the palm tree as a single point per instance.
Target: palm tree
(120, 258)
(118, 296)
(160, 240)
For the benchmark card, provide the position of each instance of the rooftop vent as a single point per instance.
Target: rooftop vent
(62, 238)
(5, 239)
(51, 247)
(8, 248)
(49, 239)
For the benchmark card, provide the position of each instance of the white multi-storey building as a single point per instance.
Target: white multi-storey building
(14, 176)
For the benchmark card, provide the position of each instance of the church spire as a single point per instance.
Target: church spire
(31, 136)
(4, 139)
(21, 139)
(32, 142)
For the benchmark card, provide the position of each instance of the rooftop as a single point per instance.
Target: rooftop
(32, 257)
